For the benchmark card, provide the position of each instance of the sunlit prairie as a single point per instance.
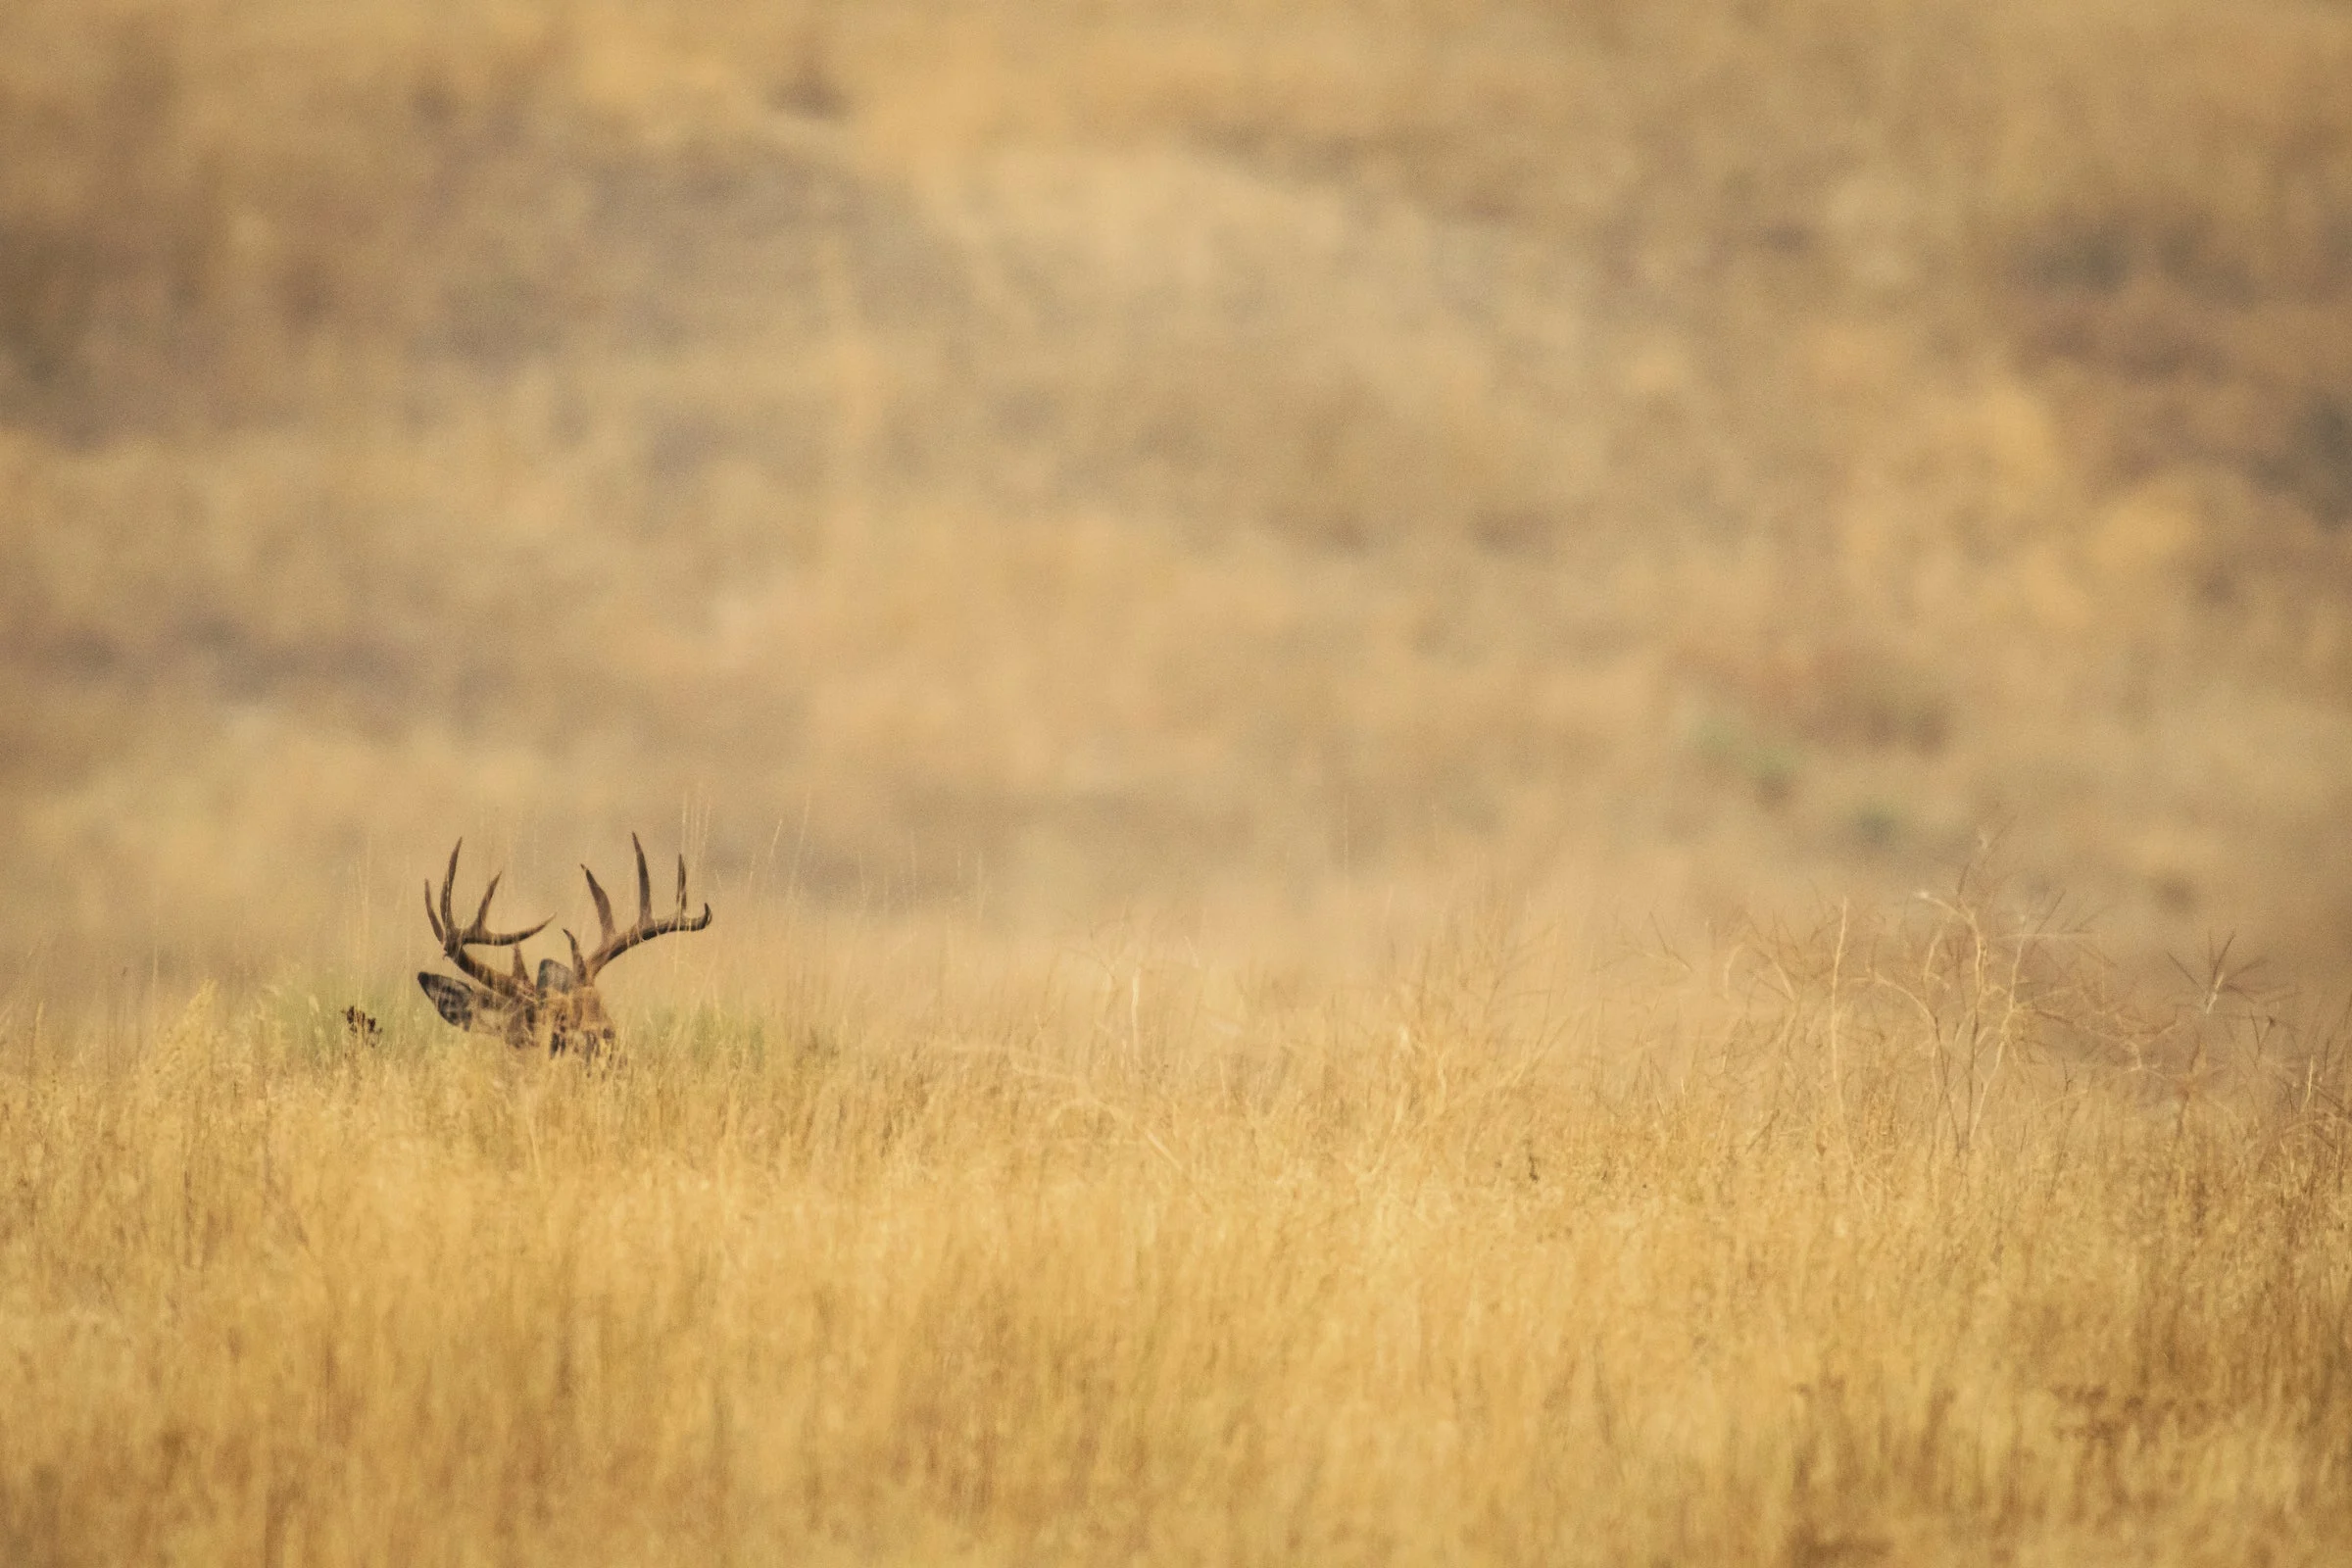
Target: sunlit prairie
(1927, 1250)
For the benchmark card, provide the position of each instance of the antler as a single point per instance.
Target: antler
(614, 942)
(454, 942)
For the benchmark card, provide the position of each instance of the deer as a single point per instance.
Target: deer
(560, 1010)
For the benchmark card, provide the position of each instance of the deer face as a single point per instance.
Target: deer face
(556, 1015)
(558, 1010)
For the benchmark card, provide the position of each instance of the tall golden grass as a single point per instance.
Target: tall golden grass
(1901, 1241)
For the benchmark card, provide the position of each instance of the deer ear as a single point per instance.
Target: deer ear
(555, 976)
(454, 1000)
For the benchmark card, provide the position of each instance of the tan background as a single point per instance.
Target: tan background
(1263, 473)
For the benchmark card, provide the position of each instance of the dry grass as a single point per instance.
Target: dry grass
(1926, 1251)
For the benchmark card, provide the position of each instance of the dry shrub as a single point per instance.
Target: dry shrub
(1993, 1003)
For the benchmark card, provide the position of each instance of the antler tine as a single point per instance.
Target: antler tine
(614, 942)
(455, 940)
(479, 934)
(447, 920)
(481, 911)
(604, 906)
(644, 883)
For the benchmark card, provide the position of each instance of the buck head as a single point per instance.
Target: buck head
(558, 1010)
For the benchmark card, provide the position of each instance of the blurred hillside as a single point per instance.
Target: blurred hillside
(1271, 470)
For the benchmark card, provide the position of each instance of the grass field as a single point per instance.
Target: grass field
(1910, 1246)
(1346, 674)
